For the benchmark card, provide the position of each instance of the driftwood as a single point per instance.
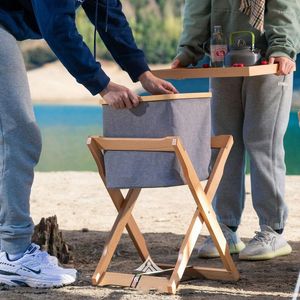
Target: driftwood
(49, 238)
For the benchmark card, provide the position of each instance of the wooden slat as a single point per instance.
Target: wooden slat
(186, 250)
(135, 144)
(185, 73)
(160, 284)
(117, 279)
(171, 97)
(192, 272)
(142, 282)
(221, 141)
(210, 273)
(224, 143)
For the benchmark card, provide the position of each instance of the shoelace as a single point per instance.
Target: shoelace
(227, 236)
(261, 236)
(45, 259)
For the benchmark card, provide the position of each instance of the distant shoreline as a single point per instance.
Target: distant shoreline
(51, 84)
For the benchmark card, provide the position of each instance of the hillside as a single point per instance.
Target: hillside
(156, 25)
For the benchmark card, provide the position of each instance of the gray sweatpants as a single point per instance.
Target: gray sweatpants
(20, 146)
(255, 110)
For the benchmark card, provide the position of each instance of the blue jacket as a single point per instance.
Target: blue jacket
(54, 20)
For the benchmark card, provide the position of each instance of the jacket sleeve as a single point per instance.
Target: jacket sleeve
(117, 36)
(282, 28)
(196, 31)
(56, 20)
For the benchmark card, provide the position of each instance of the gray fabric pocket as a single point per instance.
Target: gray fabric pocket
(188, 119)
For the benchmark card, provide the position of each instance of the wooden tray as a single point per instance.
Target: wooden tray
(184, 73)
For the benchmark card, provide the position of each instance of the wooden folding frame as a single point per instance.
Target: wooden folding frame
(203, 214)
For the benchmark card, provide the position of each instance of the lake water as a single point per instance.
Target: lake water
(66, 128)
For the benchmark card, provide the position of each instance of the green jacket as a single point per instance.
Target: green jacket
(281, 36)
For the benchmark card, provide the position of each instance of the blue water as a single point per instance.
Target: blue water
(292, 145)
(297, 75)
(60, 116)
(64, 131)
(66, 128)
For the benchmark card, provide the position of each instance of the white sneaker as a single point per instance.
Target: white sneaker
(34, 269)
(70, 271)
(266, 244)
(209, 250)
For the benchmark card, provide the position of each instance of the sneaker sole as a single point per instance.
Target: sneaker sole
(18, 281)
(233, 250)
(286, 250)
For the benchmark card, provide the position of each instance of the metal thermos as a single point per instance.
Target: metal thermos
(241, 51)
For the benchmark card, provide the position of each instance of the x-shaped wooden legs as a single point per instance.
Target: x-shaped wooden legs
(204, 213)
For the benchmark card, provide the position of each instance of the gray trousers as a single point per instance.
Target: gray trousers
(255, 110)
(20, 146)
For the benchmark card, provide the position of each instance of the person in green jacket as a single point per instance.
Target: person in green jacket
(255, 110)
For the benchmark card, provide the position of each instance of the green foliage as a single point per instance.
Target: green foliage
(156, 27)
(86, 29)
(36, 57)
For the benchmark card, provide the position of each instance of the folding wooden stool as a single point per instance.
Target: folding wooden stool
(146, 279)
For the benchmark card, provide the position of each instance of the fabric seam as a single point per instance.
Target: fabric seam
(4, 152)
(273, 152)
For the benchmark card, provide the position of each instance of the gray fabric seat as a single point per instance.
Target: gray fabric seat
(188, 119)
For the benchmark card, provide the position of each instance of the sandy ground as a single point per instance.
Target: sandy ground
(80, 201)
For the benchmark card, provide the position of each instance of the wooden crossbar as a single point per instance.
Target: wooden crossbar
(142, 282)
(196, 272)
(128, 144)
(171, 97)
(203, 214)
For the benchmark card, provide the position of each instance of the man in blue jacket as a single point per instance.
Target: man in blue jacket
(22, 263)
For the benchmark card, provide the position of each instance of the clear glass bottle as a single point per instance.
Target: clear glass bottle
(218, 47)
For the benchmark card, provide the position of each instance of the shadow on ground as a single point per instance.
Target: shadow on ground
(274, 279)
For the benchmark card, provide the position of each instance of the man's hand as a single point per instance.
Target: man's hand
(119, 96)
(155, 85)
(285, 64)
